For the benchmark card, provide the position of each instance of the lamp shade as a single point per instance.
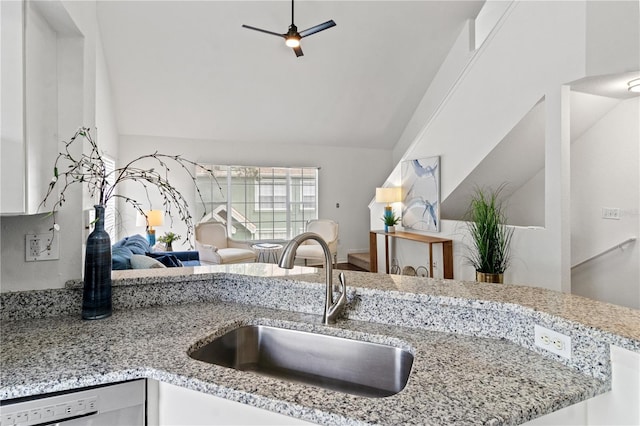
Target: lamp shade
(388, 195)
(154, 218)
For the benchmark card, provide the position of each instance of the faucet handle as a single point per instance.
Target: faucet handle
(343, 281)
(343, 290)
(334, 309)
(342, 286)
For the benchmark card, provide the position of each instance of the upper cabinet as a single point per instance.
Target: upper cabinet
(12, 152)
(42, 80)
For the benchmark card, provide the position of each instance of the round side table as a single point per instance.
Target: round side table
(267, 252)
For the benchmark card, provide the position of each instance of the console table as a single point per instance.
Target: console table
(447, 249)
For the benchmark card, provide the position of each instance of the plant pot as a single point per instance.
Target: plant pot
(484, 277)
(96, 296)
(169, 247)
(391, 229)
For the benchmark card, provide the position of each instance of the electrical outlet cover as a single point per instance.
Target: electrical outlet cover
(611, 213)
(41, 247)
(552, 341)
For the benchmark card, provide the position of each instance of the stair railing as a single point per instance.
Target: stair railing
(610, 249)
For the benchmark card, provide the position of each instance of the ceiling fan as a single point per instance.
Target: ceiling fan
(292, 37)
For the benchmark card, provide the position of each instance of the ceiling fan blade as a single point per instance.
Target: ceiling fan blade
(298, 51)
(317, 28)
(263, 31)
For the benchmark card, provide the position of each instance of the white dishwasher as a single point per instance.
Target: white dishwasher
(121, 404)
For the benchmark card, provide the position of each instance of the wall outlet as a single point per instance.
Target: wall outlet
(552, 341)
(611, 213)
(42, 247)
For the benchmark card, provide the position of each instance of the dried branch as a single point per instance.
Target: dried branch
(90, 169)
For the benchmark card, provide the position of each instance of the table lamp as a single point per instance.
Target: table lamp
(388, 195)
(154, 218)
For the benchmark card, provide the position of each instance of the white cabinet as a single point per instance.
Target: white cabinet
(42, 80)
(12, 148)
(180, 406)
(618, 407)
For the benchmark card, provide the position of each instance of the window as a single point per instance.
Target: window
(271, 195)
(110, 208)
(259, 203)
(308, 196)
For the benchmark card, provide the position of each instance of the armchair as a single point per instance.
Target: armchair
(215, 247)
(328, 230)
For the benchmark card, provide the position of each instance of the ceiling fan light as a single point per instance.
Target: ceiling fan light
(292, 41)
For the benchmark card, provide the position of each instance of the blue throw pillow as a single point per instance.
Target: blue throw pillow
(168, 260)
(136, 243)
(120, 258)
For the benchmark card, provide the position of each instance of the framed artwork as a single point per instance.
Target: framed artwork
(421, 189)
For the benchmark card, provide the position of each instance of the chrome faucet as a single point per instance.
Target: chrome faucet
(331, 308)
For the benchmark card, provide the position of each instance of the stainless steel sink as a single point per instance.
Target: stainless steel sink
(344, 365)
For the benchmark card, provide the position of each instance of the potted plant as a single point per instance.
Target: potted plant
(490, 236)
(169, 238)
(390, 221)
(84, 165)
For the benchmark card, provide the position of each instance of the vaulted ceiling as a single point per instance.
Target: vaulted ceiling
(188, 69)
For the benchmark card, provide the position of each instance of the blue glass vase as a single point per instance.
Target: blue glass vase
(96, 297)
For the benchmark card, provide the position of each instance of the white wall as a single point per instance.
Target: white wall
(524, 204)
(448, 73)
(612, 28)
(489, 16)
(534, 50)
(605, 173)
(106, 123)
(348, 176)
(76, 69)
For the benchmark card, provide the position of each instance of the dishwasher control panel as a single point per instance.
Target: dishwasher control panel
(121, 403)
(48, 410)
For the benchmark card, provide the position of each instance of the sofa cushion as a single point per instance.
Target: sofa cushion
(140, 261)
(236, 255)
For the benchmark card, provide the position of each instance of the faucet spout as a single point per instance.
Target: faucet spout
(331, 308)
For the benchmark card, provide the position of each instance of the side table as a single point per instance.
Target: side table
(447, 249)
(267, 252)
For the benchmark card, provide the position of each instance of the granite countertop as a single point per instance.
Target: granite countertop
(475, 361)
(455, 379)
(614, 319)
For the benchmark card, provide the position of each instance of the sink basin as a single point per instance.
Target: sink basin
(344, 365)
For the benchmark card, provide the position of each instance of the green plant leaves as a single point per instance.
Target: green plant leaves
(491, 237)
